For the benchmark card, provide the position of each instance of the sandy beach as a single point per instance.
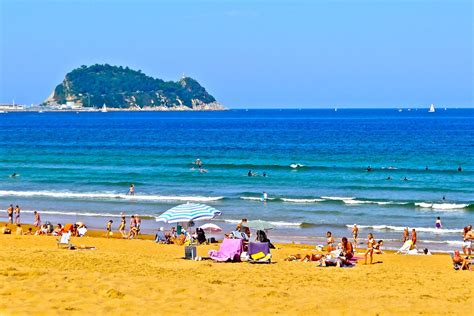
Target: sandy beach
(142, 277)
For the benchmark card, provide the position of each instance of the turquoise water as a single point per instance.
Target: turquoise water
(80, 166)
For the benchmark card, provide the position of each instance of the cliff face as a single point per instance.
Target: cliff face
(123, 88)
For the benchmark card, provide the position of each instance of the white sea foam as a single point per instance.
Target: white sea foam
(274, 223)
(79, 213)
(337, 198)
(296, 165)
(355, 202)
(419, 229)
(107, 196)
(441, 206)
(301, 200)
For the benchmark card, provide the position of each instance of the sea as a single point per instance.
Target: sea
(325, 170)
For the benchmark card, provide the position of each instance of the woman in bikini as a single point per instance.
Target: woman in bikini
(123, 223)
(370, 248)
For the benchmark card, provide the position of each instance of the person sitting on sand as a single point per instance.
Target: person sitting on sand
(161, 237)
(42, 231)
(123, 223)
(347, 249)
(378, 247)
(58, 231)
(461, 263)
(19, 230)
(330, 241)
(29, 232)
(6, 230)
(370, 248)
(242, 227)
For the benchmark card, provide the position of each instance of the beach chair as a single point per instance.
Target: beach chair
(259, 252)
(230, 250)
(64, 240)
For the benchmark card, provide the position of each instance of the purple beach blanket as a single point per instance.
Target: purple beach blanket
(230, 250)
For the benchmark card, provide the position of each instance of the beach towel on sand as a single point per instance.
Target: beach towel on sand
(230, 250)
(406, 247)
(262, 248)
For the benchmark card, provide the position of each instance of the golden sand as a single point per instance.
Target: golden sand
(141, 277)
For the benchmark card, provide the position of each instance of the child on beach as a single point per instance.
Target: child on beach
(330, 241)
(370, 248)
(109, 228)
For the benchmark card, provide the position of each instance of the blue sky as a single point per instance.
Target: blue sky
(251, 54)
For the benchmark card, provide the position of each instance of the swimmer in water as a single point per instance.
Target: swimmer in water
(389, 178)
(198, 163)
(426, 168)
(250, 173)
(459, 168)
(405, 179)
(14, 175)
(369, 168)
(131, 190)
(264, 174)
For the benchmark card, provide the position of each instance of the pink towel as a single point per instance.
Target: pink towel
(230, 250)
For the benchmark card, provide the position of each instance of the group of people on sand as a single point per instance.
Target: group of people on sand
(134, 227)
(464, 262)
(14, 214)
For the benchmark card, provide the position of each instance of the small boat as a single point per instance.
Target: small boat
(432, 109)
(400, 110)
(104, 108)
(335, 109)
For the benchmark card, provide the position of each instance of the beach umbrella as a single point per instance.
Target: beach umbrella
(188, 212)
(211, 228)
(259, 225)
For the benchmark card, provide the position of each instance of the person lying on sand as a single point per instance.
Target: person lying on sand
(461, 263)
(306, 258)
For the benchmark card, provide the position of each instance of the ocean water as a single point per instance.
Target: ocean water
(78, 166)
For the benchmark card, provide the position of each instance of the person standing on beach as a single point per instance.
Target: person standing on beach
(138, 222)
(468, 237)
(37, 222)
(413, 237)
(406, 234)
(131, 190)
(355, 234)
(370, 248)
(122, 226)
(264, 196)
(109, 228)
(330, 241)
(17, 214)
(10, 213)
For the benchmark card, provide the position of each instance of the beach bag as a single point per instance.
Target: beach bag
(190, 252)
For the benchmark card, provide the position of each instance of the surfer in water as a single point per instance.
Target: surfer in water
(198, 163)
(131, 190)
(14, 175)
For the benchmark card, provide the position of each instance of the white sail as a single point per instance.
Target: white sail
(104, 108)
(432, 108)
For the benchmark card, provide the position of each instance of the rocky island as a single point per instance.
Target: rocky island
(121, 88)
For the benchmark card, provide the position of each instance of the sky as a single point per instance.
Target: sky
(251, 54)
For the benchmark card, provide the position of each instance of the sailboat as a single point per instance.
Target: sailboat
(104, 108)
(432, 109)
